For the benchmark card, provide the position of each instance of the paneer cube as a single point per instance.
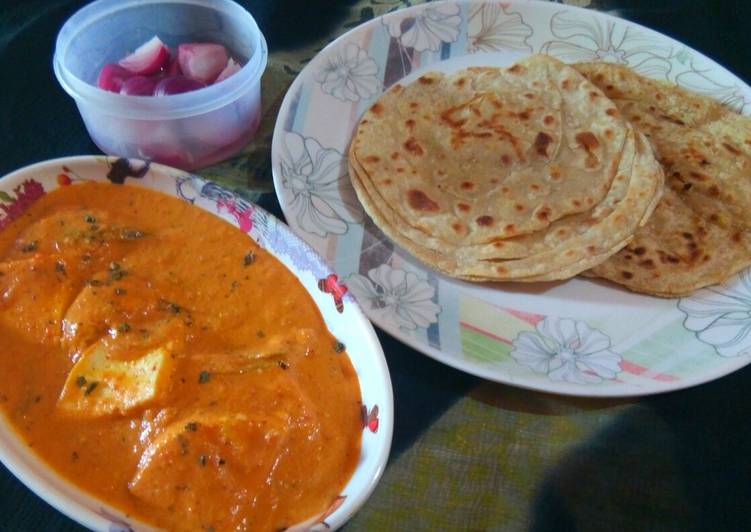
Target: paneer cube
(32, 305)
(100, 385)
(231, 452)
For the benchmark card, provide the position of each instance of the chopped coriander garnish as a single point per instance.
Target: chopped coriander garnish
(119, 291)
(131, 234)
(59, 266)
(182, 440)
(192, 426)
(31, 246)
(249, 259)
(260, 333)
(283, 364)
(339, 347)
(113, 266)
(174, 308)
(117, 275)
(90, 388)
(89, 219)
(80, 381)
(202, 460)
(123, 327)
(204, 377)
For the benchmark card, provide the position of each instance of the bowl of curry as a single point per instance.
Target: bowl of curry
(173, 357)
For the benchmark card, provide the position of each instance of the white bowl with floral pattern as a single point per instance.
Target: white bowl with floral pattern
(339, 310)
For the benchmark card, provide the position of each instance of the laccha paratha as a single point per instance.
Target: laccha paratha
(562, 226)
(700, 233)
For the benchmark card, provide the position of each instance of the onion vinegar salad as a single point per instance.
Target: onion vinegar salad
(153, 70)
(209, 57)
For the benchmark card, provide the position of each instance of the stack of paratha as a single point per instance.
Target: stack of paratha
(541, 171)
(700, 233)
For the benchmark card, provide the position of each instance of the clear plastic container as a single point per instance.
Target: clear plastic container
(188, 130)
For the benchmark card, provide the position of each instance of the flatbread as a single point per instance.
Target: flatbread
(572, 244)
(442, 189)
(484, 153)
(700, 233)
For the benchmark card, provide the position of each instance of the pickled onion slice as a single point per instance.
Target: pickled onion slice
(173, 67)
(138, 86)
(112, 77)
(231, 68)
(202, 61)
(148, 58)
(176, 85)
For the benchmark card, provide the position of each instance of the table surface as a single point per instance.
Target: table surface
(467, 454)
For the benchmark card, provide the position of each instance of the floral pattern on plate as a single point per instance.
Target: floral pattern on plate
(567, 350)
(370, 419)
(322, 194)
(396, 295)
(580, 38)
(25, 194)
(479, 322)
(350, 75)
(331, 285)
(701, 81)
(491, 27)
(721, 316)
(432, 26)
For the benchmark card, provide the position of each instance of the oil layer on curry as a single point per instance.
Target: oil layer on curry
(158, 358)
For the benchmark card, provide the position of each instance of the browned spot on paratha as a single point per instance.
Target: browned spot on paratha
(732, 149)
(542, 141)
(413, 147)
(420, 201)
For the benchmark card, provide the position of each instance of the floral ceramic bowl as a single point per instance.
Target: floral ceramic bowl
(340, 312)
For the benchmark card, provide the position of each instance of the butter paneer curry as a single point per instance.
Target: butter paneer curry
(158, 358)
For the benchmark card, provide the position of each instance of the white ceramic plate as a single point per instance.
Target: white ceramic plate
(581, 337)
(343, 318)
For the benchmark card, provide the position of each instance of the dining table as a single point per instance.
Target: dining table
(467, 453)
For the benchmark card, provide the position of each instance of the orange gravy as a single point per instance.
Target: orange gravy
(156, 357)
